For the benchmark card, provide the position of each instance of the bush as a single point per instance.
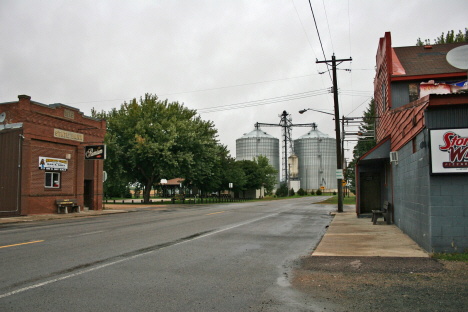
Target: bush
(292, 192)
(282, 191)
(127, 193)
(319, 192)
(334, 193)
(312, 192)
(301, 192)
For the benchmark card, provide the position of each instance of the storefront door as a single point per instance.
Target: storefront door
(88, 194)
(370, 192)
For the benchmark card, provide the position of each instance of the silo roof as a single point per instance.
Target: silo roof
(314, 134)
(257, 133)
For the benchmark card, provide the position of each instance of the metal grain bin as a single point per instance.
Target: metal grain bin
(317, 160)
(257, 143)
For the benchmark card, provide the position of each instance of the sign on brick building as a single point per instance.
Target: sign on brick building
(95, 152)
(53, 164)
(449, 150)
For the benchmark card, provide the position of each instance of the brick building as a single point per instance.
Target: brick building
(422, 108)
(42, 148)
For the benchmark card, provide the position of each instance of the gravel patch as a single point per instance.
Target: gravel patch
(383, 284)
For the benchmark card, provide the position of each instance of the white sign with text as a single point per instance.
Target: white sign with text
(449, 150)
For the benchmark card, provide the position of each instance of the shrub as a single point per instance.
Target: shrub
(292, 192)
(312, 192)
(319, 192)
(127, 193)
(301, 192)
(334, 193)
(282, 191)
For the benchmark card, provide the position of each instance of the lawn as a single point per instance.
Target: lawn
(351, 200)
(451, 256)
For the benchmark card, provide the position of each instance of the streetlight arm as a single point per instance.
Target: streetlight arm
(315, 110)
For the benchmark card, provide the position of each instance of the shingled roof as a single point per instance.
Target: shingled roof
(426, 60)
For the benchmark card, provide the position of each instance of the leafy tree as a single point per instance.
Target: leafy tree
(450, 37)
(232, 172)
(268, 172)
(253, 175)
(363, 145)
(151, 139)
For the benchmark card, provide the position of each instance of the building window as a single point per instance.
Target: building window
(52, 179)
(415, 147)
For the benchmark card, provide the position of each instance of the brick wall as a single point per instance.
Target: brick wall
(42, 199)
(39, 122)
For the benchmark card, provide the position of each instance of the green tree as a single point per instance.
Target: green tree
(363, 145)
(151, 139)
(450, 37)
(232, 172)
(253, 174)
(268, 172)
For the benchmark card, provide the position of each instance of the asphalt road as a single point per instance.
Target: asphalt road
(223, 257)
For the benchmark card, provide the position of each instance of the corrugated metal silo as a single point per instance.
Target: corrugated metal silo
(257, 143)
(317, 160)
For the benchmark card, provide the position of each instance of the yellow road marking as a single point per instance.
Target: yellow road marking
(22, 244)
(214, 213)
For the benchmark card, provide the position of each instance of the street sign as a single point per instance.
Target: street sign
(344, 182)
(322, 187)
(339, 174)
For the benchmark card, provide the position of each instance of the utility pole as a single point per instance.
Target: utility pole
(339, 160)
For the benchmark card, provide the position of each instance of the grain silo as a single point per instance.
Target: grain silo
(317, 160)
(257, 143)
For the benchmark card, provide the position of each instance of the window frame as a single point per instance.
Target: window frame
(52, 175)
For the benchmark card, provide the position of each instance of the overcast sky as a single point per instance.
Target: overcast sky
(260, 55)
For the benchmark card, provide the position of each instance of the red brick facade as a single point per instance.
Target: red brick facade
(62, 132)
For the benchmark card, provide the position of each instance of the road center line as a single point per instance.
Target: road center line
(39, 241)
(129, 258)
(83, 234)
(209, 214)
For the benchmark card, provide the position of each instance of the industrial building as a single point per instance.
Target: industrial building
(256, 143)
(316, 153)
(312, 164)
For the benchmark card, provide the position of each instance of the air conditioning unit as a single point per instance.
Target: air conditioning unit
(394, 157)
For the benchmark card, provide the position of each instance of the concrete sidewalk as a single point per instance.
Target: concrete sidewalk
(349, 235)
(56, 216)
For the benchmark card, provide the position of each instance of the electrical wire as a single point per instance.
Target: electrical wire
(202, 90)
(261, 102)
(329, 32)
(320, 40)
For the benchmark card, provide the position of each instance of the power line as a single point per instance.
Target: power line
(201, 90)
(261, 102)
(329, 32)
(320, 40)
